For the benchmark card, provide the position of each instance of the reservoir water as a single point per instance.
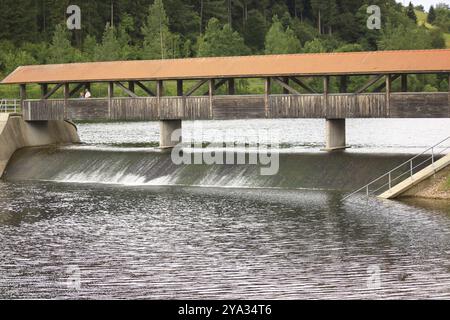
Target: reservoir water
(115, 218)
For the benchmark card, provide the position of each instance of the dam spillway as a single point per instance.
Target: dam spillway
(149, 167)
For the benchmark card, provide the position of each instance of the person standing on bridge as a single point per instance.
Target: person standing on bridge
(87, 94)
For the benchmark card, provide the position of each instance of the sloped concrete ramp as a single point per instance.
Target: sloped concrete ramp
(15, 134)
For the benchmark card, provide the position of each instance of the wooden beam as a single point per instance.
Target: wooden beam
(326, 91)
(126, 90)
(286, 81)
(146, 90)
(77, 88)
(231, 87)
(44, 89)
(383, 85)
(51, 92)
(267, 92)
(388, 79)
(110, 90)
(131, 86)
(303, 85)
(404, 83)
(66, 91)
(216, 86)
(196, 87)
(343, 84)
(286, 86)
(159, 88)
(180, 88)
(211, 86)
(23, 94)
(369, 83)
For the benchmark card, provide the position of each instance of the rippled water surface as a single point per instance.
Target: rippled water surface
(73, 240)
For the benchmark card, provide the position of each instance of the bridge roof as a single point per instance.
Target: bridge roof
(352, 63)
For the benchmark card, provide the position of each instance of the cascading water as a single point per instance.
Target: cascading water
(340, 171)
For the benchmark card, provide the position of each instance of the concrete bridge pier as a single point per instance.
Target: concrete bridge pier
(170, 133)
(335, 135)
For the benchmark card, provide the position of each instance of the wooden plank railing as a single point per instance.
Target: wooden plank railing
(371, 105)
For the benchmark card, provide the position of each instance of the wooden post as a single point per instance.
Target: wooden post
(44, 90)
(326, 91)
(404, 83)
(211, 85)
(343, 84)
(159, 88)
(66, 99)
(131, 86)
(23, 95)
(286, 80)
(267, 91)
(159, 94)
(180, 89)
(388, 93)
(231, 87)
(110, 97)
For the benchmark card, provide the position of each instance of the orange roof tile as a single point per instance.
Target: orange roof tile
(375, 62)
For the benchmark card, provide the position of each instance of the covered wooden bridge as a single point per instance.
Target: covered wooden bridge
(199, 101)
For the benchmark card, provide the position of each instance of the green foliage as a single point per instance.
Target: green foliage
(411, 13)
(431, 15)
(61, 50)
(221, 41)
(34, 32)
(404, 37)
(158, 40)
(443, 18)
(315, 46)
(280, 40)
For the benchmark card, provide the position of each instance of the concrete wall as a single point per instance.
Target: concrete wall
(15, 133)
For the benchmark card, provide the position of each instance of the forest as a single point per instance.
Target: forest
(35, 31)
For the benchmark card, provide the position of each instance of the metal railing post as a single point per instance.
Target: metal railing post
(390, 180)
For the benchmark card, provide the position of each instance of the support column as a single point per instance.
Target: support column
(231, 87)
(286, 80)
(131, 86)
(404, 83)
(167, 129)
(335, 135)
(44, 90)
(66, 98)
(388, 94)
(343, 86)
(326, 91)
(23, 95)
(211, 84)
(267, 91)
(110, 97)
(180, 90)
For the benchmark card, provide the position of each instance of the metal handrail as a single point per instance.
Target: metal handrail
(9, 105)
(410, 172)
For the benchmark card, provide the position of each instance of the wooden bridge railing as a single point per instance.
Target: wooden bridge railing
(368, 105)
